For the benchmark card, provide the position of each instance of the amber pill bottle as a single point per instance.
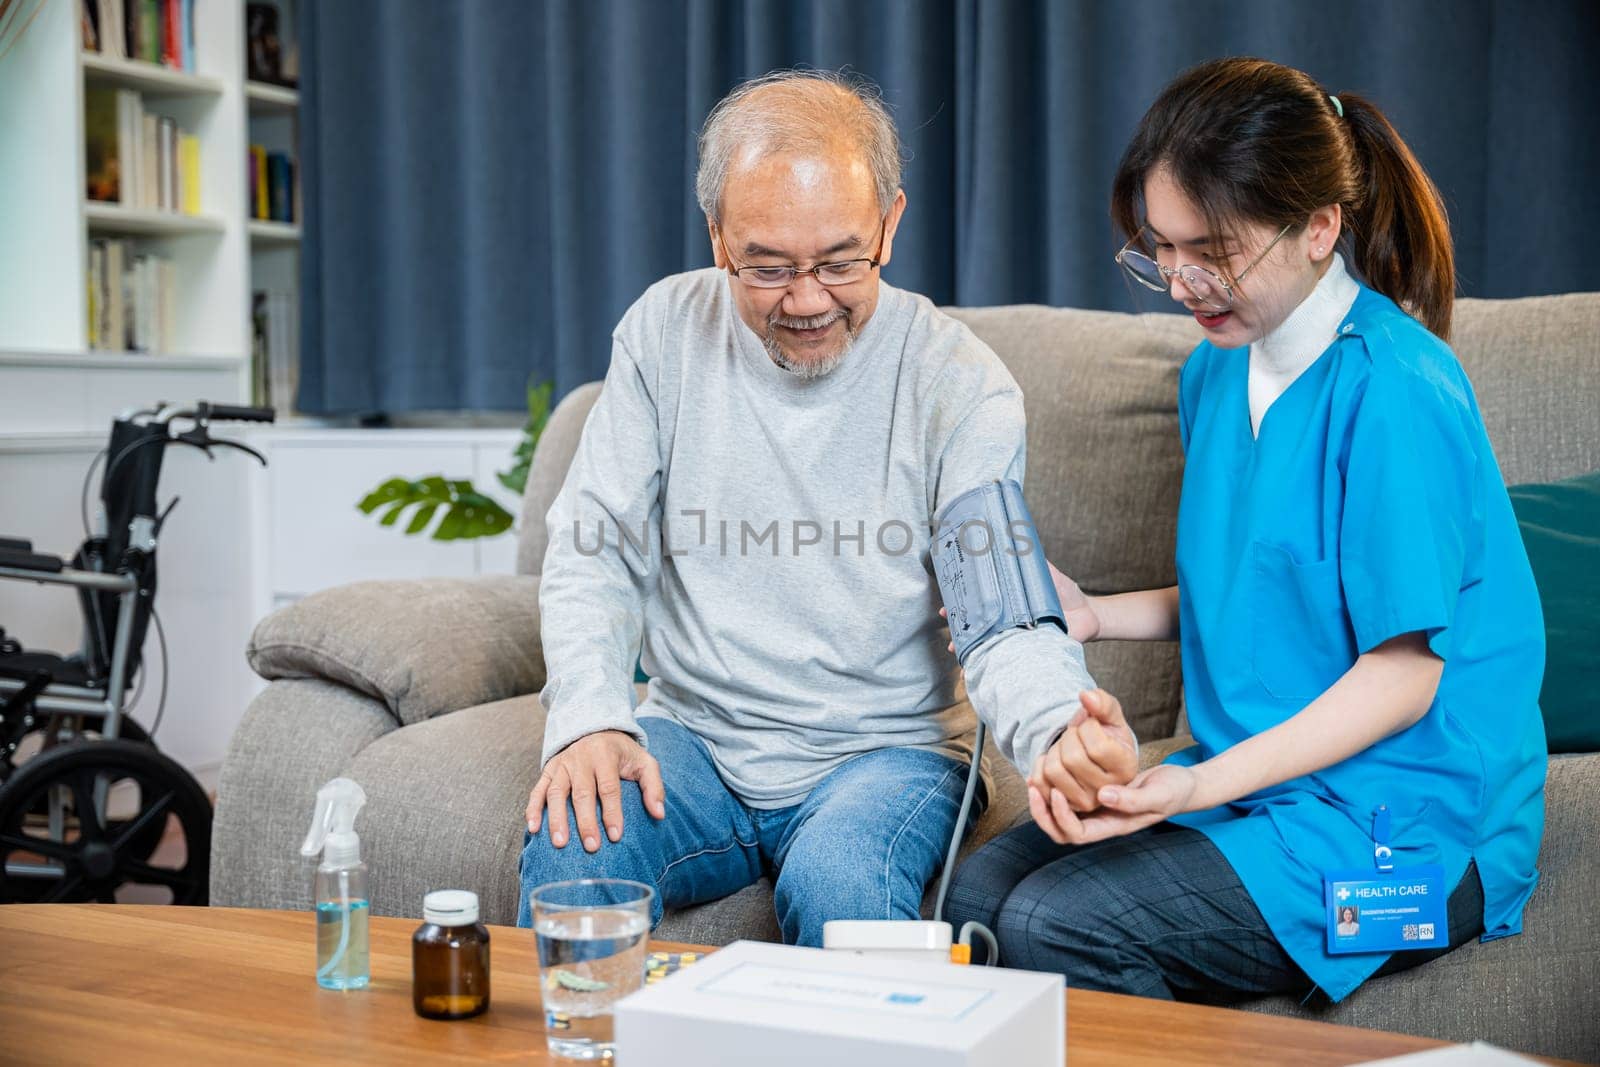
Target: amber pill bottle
(450, 958)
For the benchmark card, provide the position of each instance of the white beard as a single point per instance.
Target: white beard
(809, 370)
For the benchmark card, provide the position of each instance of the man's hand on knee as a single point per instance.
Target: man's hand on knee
(593, 769)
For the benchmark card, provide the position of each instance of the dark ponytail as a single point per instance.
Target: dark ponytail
(1401, 234)
(1249, 140)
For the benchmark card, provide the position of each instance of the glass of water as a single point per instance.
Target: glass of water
(592, 936)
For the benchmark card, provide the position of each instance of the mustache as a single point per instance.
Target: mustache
(807, 322)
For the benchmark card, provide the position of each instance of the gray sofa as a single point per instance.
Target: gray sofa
(425, 692)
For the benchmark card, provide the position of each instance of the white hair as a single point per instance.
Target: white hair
(788, 110)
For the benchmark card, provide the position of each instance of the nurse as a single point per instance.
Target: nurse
(1361, 637)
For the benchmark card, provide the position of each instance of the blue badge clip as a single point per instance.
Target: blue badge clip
(1382, 854)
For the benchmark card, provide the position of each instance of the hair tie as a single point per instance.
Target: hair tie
(1337, 106)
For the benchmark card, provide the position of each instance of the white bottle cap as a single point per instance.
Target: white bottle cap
(451, 907)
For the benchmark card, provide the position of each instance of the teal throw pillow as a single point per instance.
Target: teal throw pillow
(1560, 524)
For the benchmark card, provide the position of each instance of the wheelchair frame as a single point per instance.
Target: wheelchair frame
(34, 695)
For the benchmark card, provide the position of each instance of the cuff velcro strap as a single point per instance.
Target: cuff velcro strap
(991, 568)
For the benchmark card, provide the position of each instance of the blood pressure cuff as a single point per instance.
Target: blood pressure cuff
(991, 568)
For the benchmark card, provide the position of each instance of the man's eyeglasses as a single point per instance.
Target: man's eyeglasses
(1207, 286)
(843, 272)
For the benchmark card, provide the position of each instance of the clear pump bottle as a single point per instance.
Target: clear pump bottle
(340, 887)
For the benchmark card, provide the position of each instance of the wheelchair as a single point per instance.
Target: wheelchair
(86, 798)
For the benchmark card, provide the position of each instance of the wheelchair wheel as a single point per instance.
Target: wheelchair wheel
(96, 855)
(63, 729)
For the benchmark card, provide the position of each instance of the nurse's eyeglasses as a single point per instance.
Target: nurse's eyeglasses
(1207, 286)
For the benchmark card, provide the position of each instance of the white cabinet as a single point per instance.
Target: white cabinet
(315, 537)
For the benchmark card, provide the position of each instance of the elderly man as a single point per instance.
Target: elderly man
(752, 500)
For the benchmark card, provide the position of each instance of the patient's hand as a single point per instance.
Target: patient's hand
(1098, 750)
(594, 767)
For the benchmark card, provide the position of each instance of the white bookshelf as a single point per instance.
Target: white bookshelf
(114, 219)
(146, 77)
(104, 360)
(44, 255)
(58, 396)
(266, 98)
(266, 233)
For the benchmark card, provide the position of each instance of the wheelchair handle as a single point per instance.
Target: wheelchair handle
(233, 413)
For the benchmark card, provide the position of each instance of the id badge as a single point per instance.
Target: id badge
(1369, 912)
(1385, 908)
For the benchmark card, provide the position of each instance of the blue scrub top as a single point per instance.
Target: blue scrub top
(1369, 505)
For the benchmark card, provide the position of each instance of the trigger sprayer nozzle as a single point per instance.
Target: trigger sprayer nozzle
(333, 824)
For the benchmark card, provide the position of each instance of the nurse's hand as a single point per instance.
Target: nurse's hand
(1096, 751)
(1082, 622)
(1154, 795)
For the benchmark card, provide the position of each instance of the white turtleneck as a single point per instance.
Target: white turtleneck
(1283, 355)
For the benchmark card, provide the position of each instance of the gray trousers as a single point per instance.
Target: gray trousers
(1159, 913)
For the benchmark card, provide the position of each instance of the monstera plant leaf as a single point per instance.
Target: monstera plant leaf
(467, 513)
(516, 479)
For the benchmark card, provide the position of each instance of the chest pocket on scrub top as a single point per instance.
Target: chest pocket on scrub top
(1301, 642)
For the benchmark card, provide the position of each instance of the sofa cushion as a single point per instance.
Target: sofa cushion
(1105, 466)
(424, 647)
(1535, 367)
(1560, 524)
(296, 735)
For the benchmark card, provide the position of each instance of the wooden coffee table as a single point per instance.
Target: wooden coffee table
(89, 983)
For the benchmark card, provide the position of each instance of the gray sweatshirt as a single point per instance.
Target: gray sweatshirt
(767, 539)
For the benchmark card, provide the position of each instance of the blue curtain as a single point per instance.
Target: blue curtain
(488, 184)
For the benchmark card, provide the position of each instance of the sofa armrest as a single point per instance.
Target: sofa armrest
(296, 734)
(423, 647)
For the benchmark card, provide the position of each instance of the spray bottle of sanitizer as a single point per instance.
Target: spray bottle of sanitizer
(340, 890)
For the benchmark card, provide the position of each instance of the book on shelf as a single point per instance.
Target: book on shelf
(188, 35)
(132, 298)
(102, 161)
(150, 31)
(274, 349)
(272, 192)
(137, 158)
(150, 27)
(110, 38)
(266, 57)
(89, 24)
(171, 48)
(280, 186)
(130, 147)
(150, 143)
(258, 181)
(189, 173)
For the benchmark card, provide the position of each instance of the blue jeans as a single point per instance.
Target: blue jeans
(862, 845)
